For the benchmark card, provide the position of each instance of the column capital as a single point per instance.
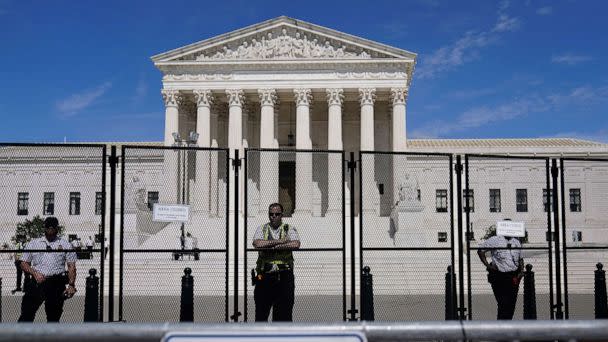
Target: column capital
(203, 97)
(172, 98)
(302, 96)
(399, 95)
(268, 97)
(236, 97)
(367, 96)
(335, 96)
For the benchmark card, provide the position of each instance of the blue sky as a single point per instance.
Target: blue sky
(81, 70)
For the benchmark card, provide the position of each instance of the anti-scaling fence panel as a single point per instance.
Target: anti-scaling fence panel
(156, 250)
(406, 232)
(584, 208)
(310, 186)
(497, 188)
(42, 180)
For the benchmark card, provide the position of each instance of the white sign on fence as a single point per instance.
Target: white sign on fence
(265, 336)
(510, 228)
(170, 213)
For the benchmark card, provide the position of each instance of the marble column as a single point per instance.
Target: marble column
(398, 98)
(172, 99)
(303, 99)
(236, 100)
(203, 99)
(269, 161)
(367, 97)
(213, 174)
(335, 99)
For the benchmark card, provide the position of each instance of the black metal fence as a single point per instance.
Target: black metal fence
(41, 180)
(406, 216)
(406, 232)
(174, 215)
(584, 193)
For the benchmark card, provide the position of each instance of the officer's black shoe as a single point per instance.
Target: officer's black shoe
(16, 290)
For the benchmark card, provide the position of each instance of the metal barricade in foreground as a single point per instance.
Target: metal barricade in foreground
(415, 331)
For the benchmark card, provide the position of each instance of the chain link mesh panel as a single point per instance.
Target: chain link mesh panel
(498, 188)
(309, 185)
(585, 231)
(406, 232)
(38, 181)
(156, 251)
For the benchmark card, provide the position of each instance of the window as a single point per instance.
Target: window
(575, 199)
(521, 200)
(98, 203)
(494, 200)
(547, 202)
(152, 198)
(441, 200)
(470, 197)
(74, 203)
(22, 202)
(48, 206)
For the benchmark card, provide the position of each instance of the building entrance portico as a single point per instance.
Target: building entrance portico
(285, 83)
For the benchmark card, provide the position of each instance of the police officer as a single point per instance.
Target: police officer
(19, 247)
(275, 286)
(504, 272)
(46, 281)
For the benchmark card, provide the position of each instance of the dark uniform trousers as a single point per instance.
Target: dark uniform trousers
(50, 292)
(505, 290)
(275, 291)
(19, 273)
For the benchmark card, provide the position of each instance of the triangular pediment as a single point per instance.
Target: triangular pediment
(283, 38)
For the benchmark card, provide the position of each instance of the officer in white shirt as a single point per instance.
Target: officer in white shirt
(504, 272)
(46, 281)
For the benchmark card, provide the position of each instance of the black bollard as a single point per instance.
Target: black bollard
(367, 295)
(0, 300)
(91, 297)
(601, 304)
(529, 294)
(450, 305)
(186, 312)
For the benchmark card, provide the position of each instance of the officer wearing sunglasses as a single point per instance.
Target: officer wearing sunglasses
(274, 280)
(44, 263)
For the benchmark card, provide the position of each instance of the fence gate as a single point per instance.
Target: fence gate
(584, 189)
(40, 180)
(310, 186)
(189, 188)
(517, 188)
(406, 232)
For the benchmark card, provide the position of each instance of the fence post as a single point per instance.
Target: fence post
(186, 312)
(367, 295)
(0, 300)
(450, 310)
(91, 297)
(601, 305)
(529, 294)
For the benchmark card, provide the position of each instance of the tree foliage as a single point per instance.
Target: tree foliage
(31, 229)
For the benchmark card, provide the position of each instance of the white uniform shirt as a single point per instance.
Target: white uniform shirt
(89, 243)
(506, 260)
(48, 264)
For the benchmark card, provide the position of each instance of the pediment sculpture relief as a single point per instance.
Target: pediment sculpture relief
(284, 46)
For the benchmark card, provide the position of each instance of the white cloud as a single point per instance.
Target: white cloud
(468, 94)
(547, 10)
(483, 115)
(468, 47)
(570, 59)
(80, 101)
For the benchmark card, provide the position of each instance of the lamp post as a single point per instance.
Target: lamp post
(183, 167)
